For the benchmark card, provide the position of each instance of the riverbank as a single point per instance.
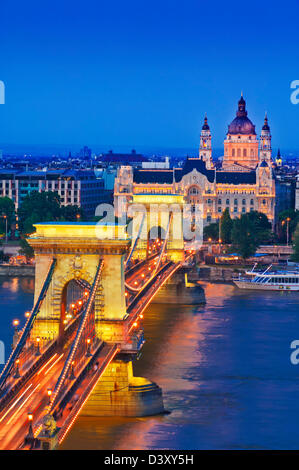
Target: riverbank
(215, 273)
(8, 270)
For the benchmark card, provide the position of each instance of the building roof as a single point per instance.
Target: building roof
(241, 124)
(197, 164)
(236, 177)
(153, 176)
(124, 158)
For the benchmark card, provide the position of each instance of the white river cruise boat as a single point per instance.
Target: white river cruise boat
(269, 280)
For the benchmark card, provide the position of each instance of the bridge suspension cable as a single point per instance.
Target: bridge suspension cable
(137, 289)
(134, 244)
(28, 326)
(73, 349)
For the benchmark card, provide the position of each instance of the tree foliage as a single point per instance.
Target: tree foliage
(45, 207)
(7, 208)
(71, 213)
(295, 256)
(226, 226)
(249, 231)
(26, 249)
(38, 207)
(211, 231)
(293, 216)
(243, 237)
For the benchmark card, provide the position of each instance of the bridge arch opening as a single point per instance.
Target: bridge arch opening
(73, 299)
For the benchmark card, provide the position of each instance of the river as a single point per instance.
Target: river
(224, 368)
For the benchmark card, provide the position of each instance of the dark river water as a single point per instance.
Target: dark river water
(224, 369)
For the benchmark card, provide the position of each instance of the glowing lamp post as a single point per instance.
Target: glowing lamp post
(16, 333)
(38, 353)
(287, 220)
(88, 352)
(17, 370)
(72, 374)
(30, 432)
(49, 394)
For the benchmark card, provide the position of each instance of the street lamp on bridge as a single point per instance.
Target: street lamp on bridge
(49, 393)
(17, 374)
(38, 353)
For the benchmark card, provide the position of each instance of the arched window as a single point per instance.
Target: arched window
(244, 153)
(252, 153)
(227, 202)
(244, 202)
(193, 191)
(239, 153)
(219, 201)
(233, 152)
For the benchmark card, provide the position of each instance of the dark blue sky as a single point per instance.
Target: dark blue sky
(144, 73)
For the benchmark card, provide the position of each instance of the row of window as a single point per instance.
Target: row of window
(238, 152)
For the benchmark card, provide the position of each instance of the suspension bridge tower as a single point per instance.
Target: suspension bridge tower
(79, 249)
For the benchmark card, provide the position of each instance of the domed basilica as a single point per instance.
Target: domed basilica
(244, 183)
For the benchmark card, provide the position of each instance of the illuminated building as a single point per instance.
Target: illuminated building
(244, 183)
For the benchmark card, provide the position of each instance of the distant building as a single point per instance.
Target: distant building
(158, 164)
(297, 194)
(285, 192)
(85, 153)
(117, 159)
(75, 187)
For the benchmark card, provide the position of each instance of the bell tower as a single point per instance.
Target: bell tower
(265, 142)
(205, 148)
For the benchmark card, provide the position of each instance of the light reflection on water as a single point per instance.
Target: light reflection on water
(16, 296)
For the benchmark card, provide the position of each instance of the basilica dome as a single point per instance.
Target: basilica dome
(241, 124)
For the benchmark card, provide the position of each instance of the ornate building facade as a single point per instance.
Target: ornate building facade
(244, 183)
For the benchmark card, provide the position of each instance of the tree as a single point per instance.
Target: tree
(226, 226)
(26, 249)
(71, 213)
(244, 237)
(7, 209)
(262, 227)
(283, 226)
(211, 232)
(38, 207)
(295, 256)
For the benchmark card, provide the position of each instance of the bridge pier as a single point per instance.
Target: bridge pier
(177, 290)
(119, 393)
